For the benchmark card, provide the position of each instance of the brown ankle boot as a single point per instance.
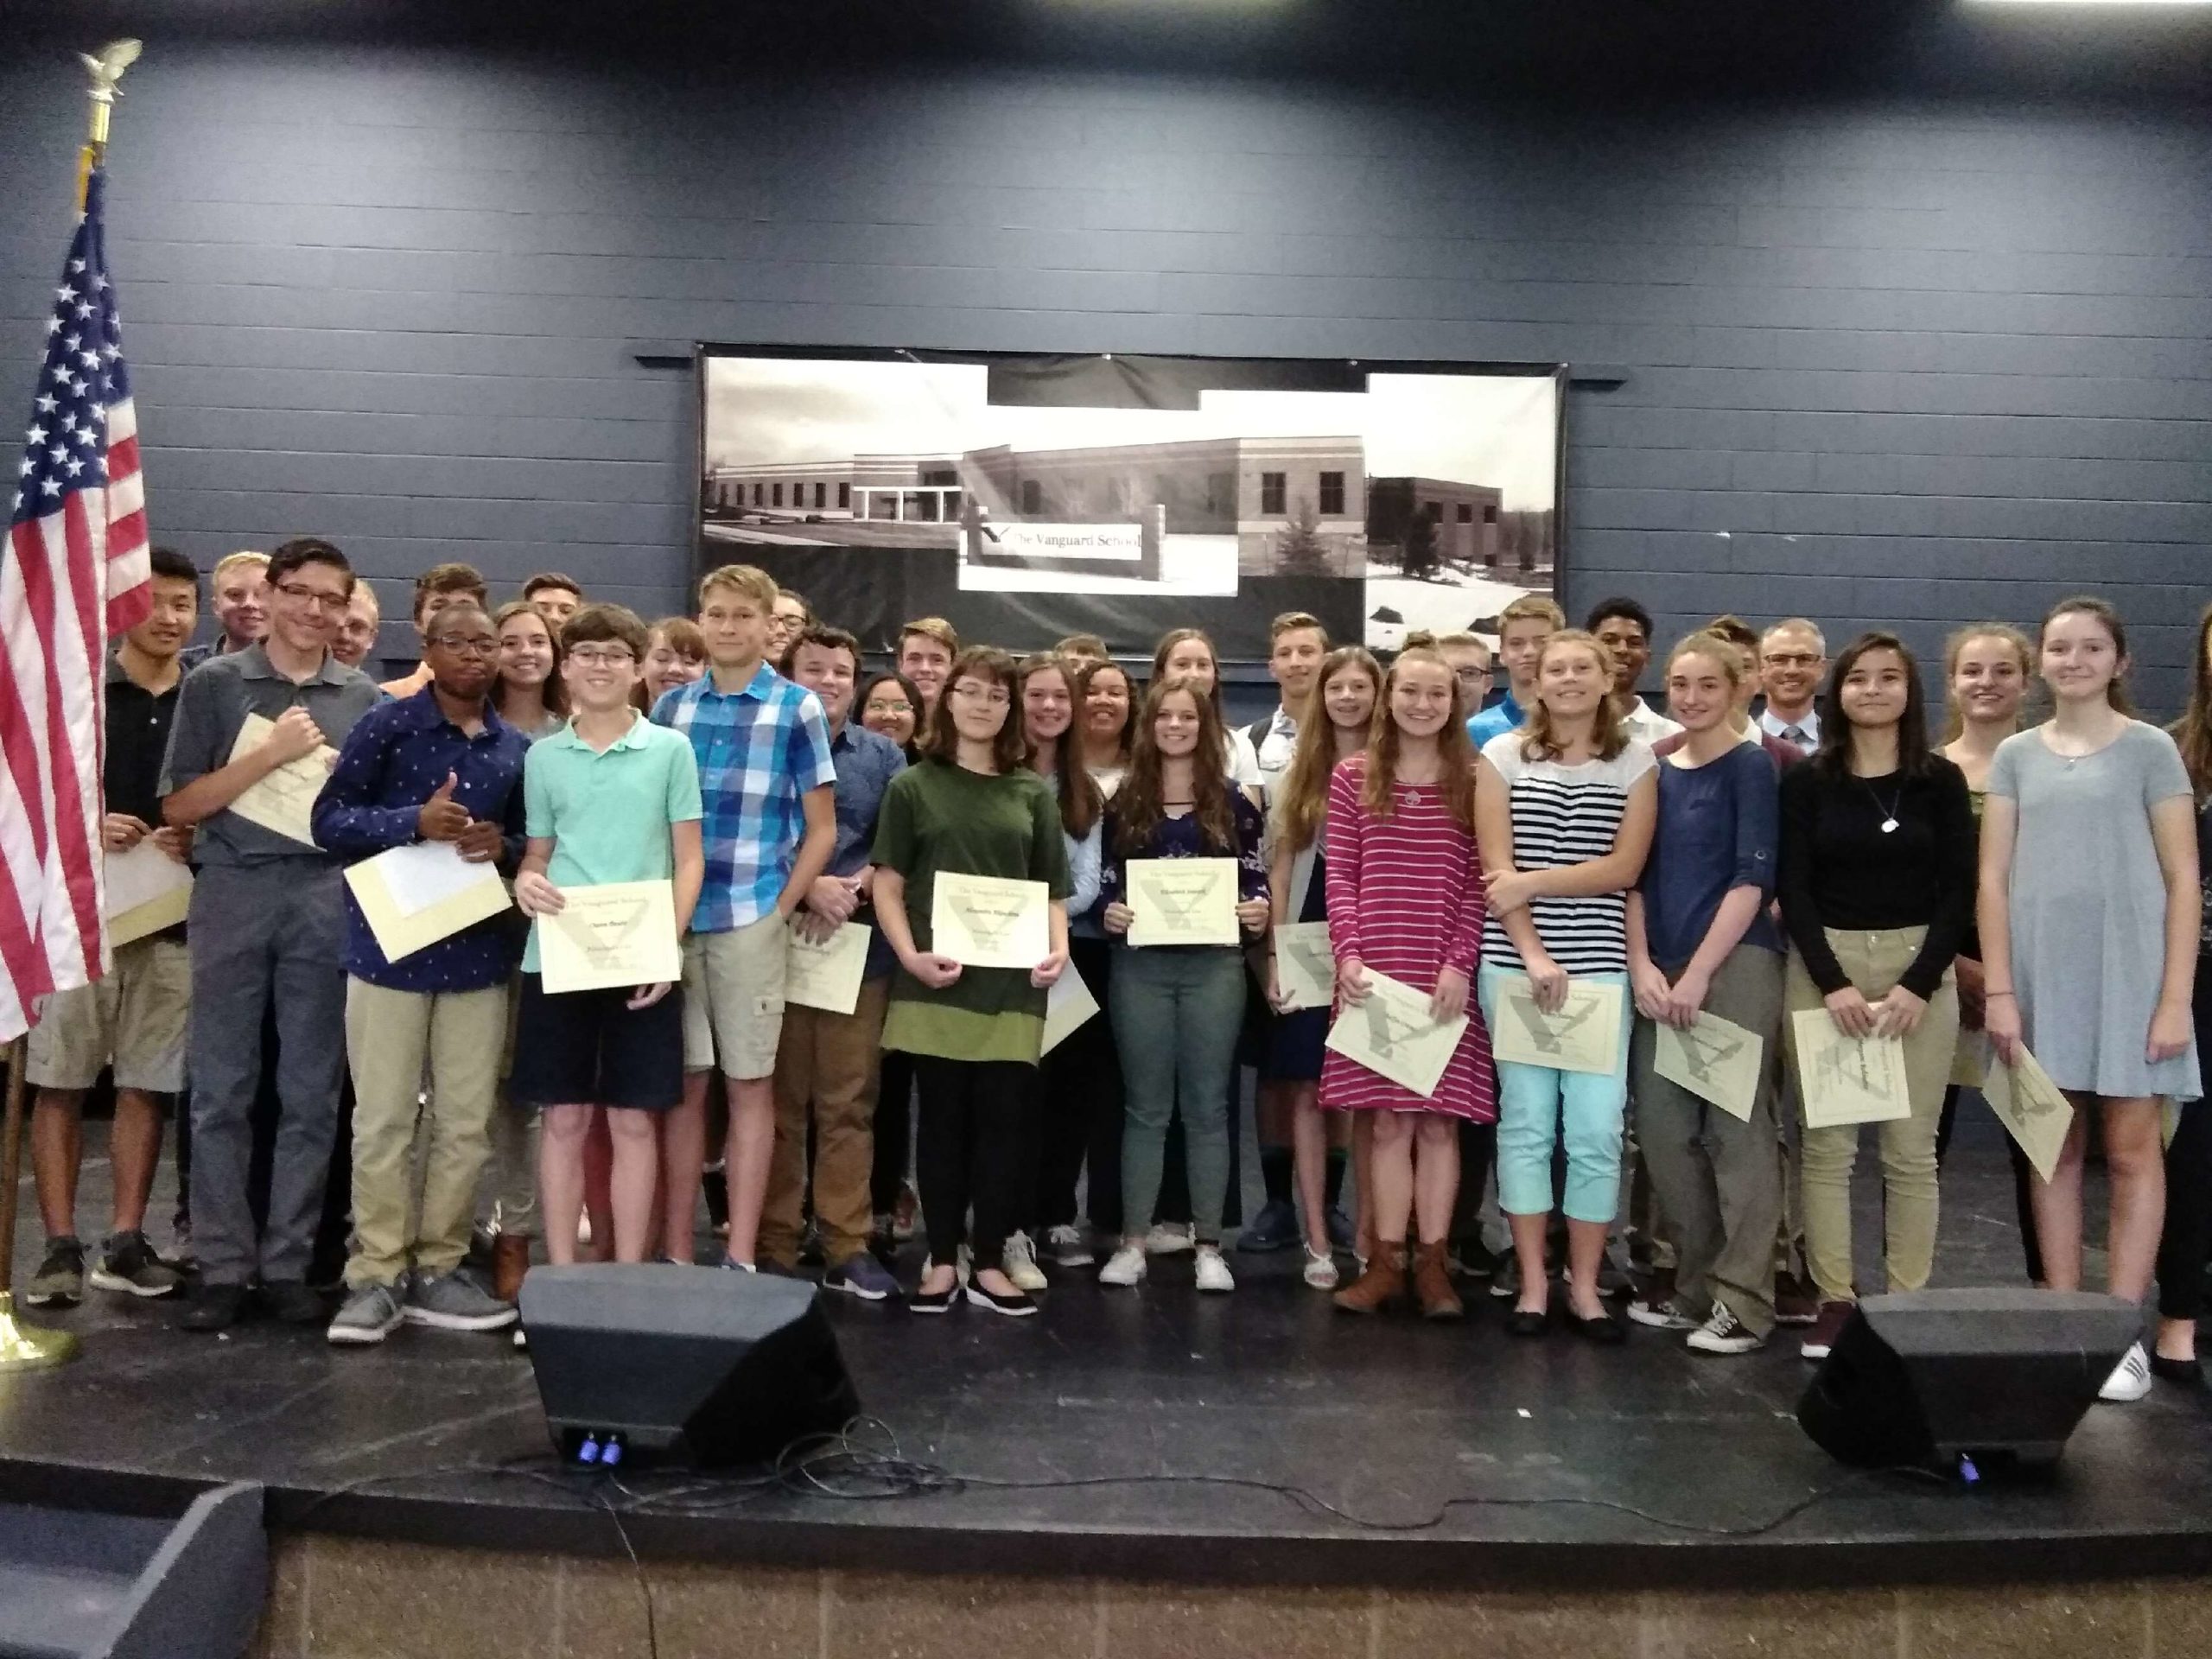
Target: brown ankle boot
(1383, 1283)
(510, 1262)
(1432, 1285)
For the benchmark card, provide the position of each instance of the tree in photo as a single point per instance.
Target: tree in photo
(1300, 550)
(1417, 558)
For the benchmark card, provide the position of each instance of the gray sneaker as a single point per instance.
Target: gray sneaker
(454, 1301)
(59, 1281)
(127, 1263)
(371, 1314)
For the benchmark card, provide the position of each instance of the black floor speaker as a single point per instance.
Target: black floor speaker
(1926, 1378)
(692, 1364)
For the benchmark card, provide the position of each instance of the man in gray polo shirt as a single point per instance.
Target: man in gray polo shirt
(267, 926)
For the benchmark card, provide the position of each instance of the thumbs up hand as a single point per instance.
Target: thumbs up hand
(442, 817)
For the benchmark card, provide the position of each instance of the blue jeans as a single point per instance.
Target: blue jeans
(1177, 1010)
(1539, 1104)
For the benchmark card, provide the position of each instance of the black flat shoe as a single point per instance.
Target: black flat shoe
(1018, 1305)
(216, 1307)
(1522, 1323)
(289, 1301)
(939, 1301)
(2188, 1373)
(1605, 1329)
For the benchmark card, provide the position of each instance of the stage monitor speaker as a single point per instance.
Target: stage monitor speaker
(705, 1366)
(1931, 1377)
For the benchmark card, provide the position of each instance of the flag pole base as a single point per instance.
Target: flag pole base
(31, 1347)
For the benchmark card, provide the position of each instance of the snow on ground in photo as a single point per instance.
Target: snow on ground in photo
(1447, 605)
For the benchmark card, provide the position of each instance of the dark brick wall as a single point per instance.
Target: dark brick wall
(1907, 358)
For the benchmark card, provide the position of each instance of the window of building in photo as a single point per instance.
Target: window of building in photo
(1033, 496)
(1434, 509)
(821, 495)
(775, 495)
(1466, 512)
(1490, 512)
(844, 498)
(1271, 491)
(1332, 494)
(756, 495)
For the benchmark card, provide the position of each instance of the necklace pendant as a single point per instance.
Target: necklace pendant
(1888, 824)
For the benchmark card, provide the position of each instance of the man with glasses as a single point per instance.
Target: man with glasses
(439, 767)
(1793, 656)
(267, 928)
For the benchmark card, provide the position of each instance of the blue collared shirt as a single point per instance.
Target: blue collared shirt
(395, 759)
(1502, 716)
(760, 749)
(867, 762)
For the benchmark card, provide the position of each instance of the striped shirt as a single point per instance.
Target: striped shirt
(1566, 815)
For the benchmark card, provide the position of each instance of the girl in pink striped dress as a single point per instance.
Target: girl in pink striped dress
(1406, 899)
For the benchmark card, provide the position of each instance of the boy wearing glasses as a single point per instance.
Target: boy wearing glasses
(767, 779)
(267, 931)
(439, 765)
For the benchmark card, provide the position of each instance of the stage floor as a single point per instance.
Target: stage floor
(1387, 1418)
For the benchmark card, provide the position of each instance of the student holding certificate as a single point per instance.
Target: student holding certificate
(1701, 940)
(2090, 923)
(1566, 805)
(1177, 1008)
(1350, 682)
(1876, 890)
(970, 807)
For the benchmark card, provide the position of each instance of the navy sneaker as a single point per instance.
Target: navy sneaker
(862, 1276)
(1342, 1234)
(1275, 1228)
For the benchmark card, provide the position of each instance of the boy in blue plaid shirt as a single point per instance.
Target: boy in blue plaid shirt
(764, 772)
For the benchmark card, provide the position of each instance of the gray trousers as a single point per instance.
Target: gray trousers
(1716, 1179)
(258, 936)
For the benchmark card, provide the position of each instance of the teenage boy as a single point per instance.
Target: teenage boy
(133, 1018)
(240, 585)
(1296, 645)
(438, 587)
(765, 773)
(439, 766)
(926, 648)
(1468, 659)
(357, 634)
(1522, 627)
(827, 1064)
(268, 930)
(553, 596)
(609, 797)
(1793, 656)
(1623, 627)
(1083, 650)
(793, 617)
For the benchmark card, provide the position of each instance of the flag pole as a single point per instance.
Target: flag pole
(26, 1347)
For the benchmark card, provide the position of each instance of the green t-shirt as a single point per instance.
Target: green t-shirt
(937, 816)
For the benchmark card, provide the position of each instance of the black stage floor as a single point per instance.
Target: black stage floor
(1387, 1419)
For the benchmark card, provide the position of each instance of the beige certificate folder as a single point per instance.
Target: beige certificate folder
(414, 896)
(1848, 1079)
(2031, 1107)
(1394, 1035)
(828, 975)
(1068, 1006)
(1585, 1035)
(1182, 900)
(146, 891)
(1305, 966)
(988, 921)
(285, 800)
(1715, 1059)
(611, 937)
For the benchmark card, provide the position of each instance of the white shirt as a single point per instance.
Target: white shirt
(1804, 732)
(1276, 744)
(1243, 760)
(1647, 725)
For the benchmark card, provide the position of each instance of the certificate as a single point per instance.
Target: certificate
(828, 975)
(1394, 1035)
(1182, 900)
(416, 895)
(1305, 966)
(146, 891)
(1715, 1059)
(988, 921)
(611, 937)
(2031, 1106)
(1848, 1079)
(1069, 1006)
(285, 800)
(1585, 1035)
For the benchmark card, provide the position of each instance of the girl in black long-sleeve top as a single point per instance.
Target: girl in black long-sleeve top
(1876, 888)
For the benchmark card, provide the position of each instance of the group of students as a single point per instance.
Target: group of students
(2018, 886)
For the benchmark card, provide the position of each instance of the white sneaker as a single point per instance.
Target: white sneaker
(2130, 1379)
(1018, 1261)
(1167, 1238)
(1069, 1247)
(1320, 1271)
(1125, 1267)
(1213, 1273)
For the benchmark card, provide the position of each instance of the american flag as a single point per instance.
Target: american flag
(75, 570)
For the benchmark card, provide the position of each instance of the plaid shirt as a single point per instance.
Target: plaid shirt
(760, 750)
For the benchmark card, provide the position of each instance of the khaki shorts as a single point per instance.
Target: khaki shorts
(733, 998)
(134, 1018)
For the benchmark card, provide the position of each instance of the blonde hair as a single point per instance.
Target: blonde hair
(1455, 776)
(747, 580)
(1529, 607)
(233, 561)
(1538, 740)
(932, 627)
(1726, 654)
(1302, 798)
(1955, 719)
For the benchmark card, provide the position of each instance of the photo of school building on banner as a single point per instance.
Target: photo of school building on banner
(1029, 497)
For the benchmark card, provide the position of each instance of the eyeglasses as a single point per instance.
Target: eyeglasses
(593, 657)
(1792, 659)
(315, 597)
(900, 708)
(991, 696)
(468, 645)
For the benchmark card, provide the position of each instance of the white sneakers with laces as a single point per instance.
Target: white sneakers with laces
(1018, 1261)
(1125, 1267)
(1213, 1274)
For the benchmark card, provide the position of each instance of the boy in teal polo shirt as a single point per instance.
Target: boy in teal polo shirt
(609, 797)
